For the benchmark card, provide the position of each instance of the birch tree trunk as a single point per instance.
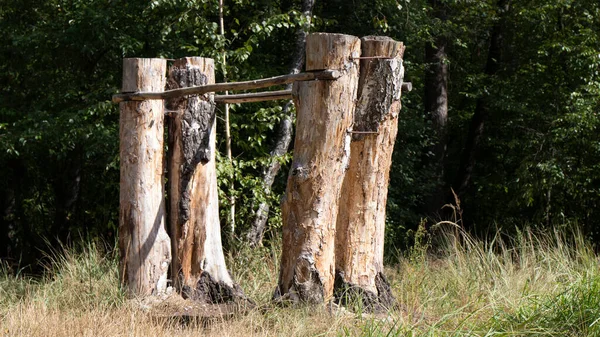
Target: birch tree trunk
(284, 135)
(143, 241)
(436, 106)
(228, 132)
(199, 269)
(361, 219)
(321, 153)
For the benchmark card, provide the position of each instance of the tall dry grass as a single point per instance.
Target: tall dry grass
(530, 284)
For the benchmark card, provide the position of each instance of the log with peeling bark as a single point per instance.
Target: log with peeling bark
(143, 241)
(321, 153)
(361, 219)
(199, 269)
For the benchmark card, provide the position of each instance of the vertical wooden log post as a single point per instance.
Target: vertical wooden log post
(199, 269)
(361, 220)
(321, 153)
(143, 241)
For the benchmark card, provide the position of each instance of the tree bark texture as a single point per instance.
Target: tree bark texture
(436, 105)
(482, 109)
(143, 241)
(321, 152)
(361, 219)
(284, 135)
(198, 269)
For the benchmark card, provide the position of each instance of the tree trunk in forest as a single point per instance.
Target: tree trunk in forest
(11, 189)
(284, 135)
(309, 209)
(20, 240)
(66, 186)
(436, 106)
(7, 208)
(361, 220)
(198, 268)
(143, 242)
(228, 131)
(482, 109)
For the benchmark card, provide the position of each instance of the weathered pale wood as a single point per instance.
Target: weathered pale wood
(246, 85)
(199, 269)
(321, 154)
(361, 220)
(143, 242)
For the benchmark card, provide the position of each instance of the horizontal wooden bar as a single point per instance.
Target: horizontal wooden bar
(372, 58)
(254, 97)
(364, 132)
(246, 85)
(274, 95)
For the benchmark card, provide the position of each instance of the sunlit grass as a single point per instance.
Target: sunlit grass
(530, 284)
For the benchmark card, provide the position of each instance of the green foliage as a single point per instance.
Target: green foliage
(542, 150)
(573, 312)
(61, 62)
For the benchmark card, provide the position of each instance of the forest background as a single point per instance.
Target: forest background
(504, 111)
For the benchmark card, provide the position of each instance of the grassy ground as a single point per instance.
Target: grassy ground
(538, 284)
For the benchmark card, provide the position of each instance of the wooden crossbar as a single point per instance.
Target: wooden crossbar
(254, 97)
(246, 85)
(272, 95)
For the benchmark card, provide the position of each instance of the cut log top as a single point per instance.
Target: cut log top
(333, 52)
(381, 46)
(143, 74)
(204, 68)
